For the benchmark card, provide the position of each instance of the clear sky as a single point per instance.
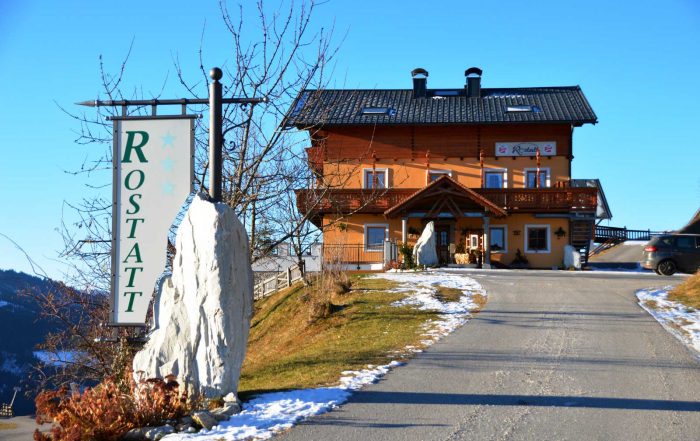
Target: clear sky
(638, 62)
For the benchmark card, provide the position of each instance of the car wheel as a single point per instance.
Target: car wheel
(656, 270)
(666, 267)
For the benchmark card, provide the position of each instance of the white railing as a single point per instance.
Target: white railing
(279, 281)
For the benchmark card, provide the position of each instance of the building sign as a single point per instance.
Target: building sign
(547, 148)
(153, 170)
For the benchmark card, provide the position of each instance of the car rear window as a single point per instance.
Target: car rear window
(668, 241)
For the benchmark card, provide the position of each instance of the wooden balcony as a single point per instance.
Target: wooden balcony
(513, 200)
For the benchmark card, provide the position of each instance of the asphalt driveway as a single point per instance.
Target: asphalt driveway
(554, 356)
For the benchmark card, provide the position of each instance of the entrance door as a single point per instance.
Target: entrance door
(442, 244)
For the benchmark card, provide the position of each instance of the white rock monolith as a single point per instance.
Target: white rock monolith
(202, 313)
(424, 252)
(572, 258)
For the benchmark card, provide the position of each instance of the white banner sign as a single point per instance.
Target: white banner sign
(547, 148)
(153, 170)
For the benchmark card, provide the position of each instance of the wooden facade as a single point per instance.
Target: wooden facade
(399, 176)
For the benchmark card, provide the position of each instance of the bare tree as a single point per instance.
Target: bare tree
(276, 56)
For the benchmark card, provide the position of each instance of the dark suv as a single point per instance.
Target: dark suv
(672, 252)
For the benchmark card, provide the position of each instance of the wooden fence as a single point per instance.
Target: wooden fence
(605, 234)
(279, 281)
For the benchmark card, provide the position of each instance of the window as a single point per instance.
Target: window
(375, 235)
(447, 93)
(434, 175)
(685, 242)
(522, 108)
(495, 178)
(531, 177)
(378, 111)
(375, 178)
(498, 239)
(474, 241)
(537, 238)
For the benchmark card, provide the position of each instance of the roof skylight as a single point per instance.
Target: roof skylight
(521, 108)
(446, 93)
(378, 111)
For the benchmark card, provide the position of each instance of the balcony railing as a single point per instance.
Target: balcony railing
(530, 200)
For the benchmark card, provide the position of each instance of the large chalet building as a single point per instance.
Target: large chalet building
(490, 166)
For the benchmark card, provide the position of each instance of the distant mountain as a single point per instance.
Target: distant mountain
(20, 332)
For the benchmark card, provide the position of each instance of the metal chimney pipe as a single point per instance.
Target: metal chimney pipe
(420, 82)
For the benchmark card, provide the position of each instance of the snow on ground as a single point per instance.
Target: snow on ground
(3, 303)
(267, 414)
(678, 319)
(422, 286)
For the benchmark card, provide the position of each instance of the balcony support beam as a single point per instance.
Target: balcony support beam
(487, 245)
(404, 229)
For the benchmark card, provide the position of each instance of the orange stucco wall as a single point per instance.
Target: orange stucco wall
(407, 174)
(351, 231)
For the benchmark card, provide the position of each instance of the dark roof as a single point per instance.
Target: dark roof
(333, 106)
(693, 226)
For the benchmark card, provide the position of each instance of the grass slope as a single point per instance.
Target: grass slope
(287, 350)
(688, 292)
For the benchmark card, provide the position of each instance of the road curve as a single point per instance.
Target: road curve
(553, 356)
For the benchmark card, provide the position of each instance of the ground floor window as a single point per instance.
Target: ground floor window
(498, 239)
(375, 235)
(537, 239)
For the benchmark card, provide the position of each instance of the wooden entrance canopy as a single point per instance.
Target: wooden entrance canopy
(445, 195)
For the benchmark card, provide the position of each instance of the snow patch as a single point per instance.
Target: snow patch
(421, 289)
(681, 321)
(267, 414)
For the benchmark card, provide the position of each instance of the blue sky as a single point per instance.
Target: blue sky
(636, 61)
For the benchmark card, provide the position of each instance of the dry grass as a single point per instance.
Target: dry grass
(688, 292)
(7, 426)
(480, 301)
(651, 304)
(448, 295)
(285, 351)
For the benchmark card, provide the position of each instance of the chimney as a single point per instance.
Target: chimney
(420, 82)
(473, 85)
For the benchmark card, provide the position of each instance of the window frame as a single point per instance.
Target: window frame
(373, 171)
(436, 171)
(548, 177)
(548, 238)
(504, 176)
(365, 237)
(505, 238)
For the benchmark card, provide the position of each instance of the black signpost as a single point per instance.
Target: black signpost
(215, 101)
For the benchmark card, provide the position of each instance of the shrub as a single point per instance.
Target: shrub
(520, 259)
(109, 410)
(407, 255)
(392, 265)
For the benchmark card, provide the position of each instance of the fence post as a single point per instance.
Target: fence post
(386, 258)
(289, 276)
